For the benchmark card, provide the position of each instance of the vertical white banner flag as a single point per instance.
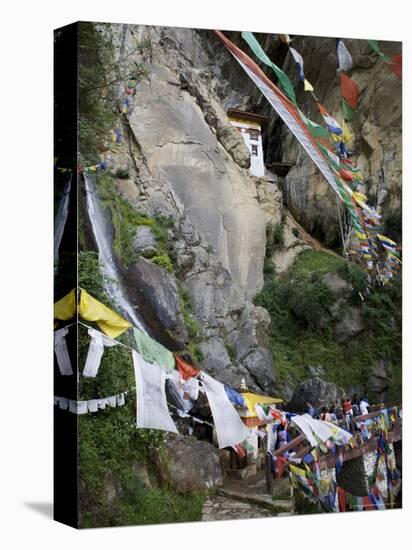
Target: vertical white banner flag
(229, 427)
(62, 352)
(152, 411)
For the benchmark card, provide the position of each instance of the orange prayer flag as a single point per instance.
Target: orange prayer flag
(186, 371)
(349, 90)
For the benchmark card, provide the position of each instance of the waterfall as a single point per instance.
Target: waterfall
(106, 259)
(60, 219)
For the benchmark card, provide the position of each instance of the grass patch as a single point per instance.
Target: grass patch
(164, 261)
(315, 261)
(301, 332)
(162, 506)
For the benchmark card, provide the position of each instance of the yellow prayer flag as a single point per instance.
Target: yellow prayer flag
(386, 239)
(297, 471)
(110, 322)
(65, 308)
(359, 196)
(252, 399)
(308, 86)
(347, 136)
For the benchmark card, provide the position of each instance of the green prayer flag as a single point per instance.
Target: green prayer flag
(153, 352)
(260, 54)
(375, 47)
(347, 111)
(316, 130)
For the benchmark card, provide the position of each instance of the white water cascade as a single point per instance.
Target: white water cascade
(60, 219)
(106, 258)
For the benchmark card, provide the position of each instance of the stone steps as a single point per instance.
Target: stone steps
(281, 506)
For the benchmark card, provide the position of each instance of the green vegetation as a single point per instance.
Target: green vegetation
(230, 350)
(125, 220)
(274, 236)
(302, 329)
(98, 74)
(162, 506)
(164, 261)
(193, 328)
(122, 174)
(316, 261)
(96, 116)
(90, 277)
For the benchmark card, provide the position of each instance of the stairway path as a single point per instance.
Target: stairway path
(244, 499)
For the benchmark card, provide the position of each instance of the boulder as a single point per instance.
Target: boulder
(349, 325)
(192, 465)
(111, 488)
(217, 362)
(317, 370)
(159, 289)
(259, 365)
(316, 391)
(378, 381)
(141, 472)
(144, 241)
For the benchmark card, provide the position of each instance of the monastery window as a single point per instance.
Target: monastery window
(254, 135)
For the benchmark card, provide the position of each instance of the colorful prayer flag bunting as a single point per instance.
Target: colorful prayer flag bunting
(260, 54)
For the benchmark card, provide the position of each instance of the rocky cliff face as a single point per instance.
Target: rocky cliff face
(183, 161)
(376, 130)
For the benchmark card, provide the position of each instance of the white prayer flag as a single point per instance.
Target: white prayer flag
(95, 353)
(112, 400)
(92, 405)
(311, 427)
(152, 411)
(345, 58)
(299, 60)
(120, 399)
(229, 427)
(62, 352)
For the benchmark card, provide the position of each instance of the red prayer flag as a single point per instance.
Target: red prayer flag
(280, 466)
(349, 90)
(322, 109)
(342, 499)
(367, 504)
(240, 450)
(395, 65)
(186, 371)
(345, 175)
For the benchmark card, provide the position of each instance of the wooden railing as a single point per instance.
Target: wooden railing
(301, 447)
